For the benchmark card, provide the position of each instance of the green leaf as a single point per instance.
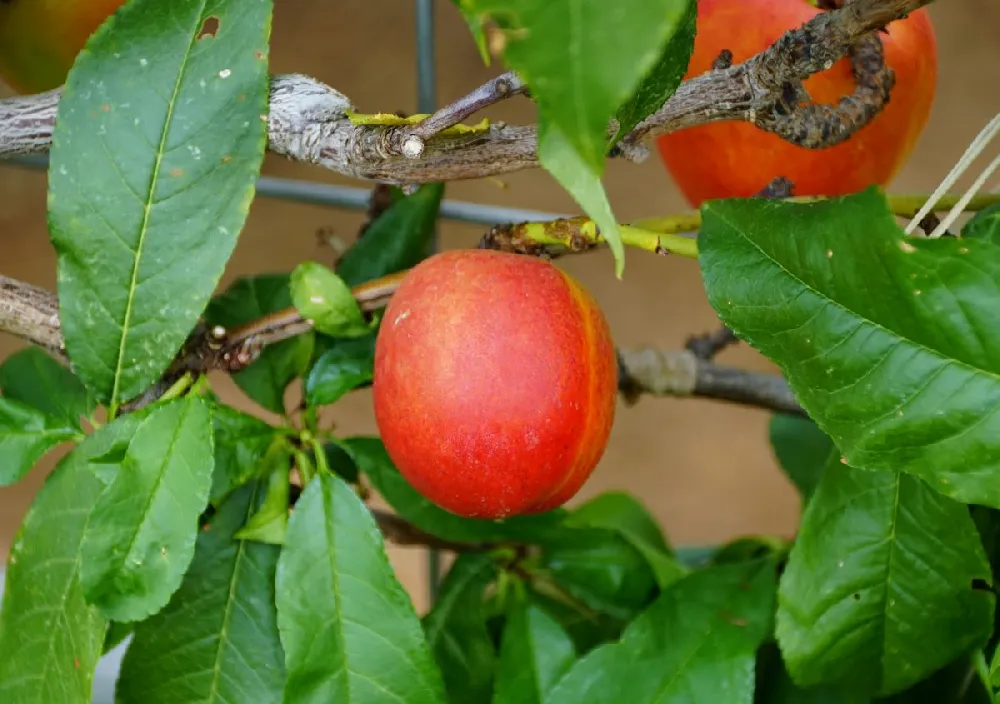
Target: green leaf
(984, 225)
(116, 634)
(50, 638)
(697, 642)
(775, 685)
(372, 459)
(340, 462)
(154, 161)
(141, 535)
(583, 60)
(476, 27)
(217, 640)
(345, 366)
(534, 654)
(396, 240)
(322, 297)
(622, 513)
(601, 569)
(248, 299)
(882, 567)
(245, 448)
(268, 524)
(887, 341)
(587, 628)
(349, 631)
(35, 378)
(583, 182)
(664, 78)
(456, 629)
(802, 450)
(26, 435)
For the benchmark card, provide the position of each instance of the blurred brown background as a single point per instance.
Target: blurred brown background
(703, 468)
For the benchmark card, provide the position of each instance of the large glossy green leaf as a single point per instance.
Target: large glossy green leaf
(534, 654)
(50, 638)
(34, 377)
(26, 435)
(661, 82)
(217, 640)
(248, 299)
(886, 583)
(623, 513)
(696, 643)
(349, 631)
(396, 240)
(141, 535)
(154, 161)
(583, 59)
(802, 450)
(457, 632)
(372, 459)
(889, 342)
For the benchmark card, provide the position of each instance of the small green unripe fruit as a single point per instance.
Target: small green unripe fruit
(495, 383)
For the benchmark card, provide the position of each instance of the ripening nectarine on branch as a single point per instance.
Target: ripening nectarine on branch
(40, 39)
(495, 383)
(736, 159)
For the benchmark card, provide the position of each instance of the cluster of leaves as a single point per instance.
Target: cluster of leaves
(172, 526)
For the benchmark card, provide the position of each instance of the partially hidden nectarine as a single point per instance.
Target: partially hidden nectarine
(735, 159)
(495, 383)
(40, 39)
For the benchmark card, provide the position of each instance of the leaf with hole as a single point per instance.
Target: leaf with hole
(217, 640)
(154, 161)
(141, 535)
(457, 631)
(890, 343)
(50, 637)
(35, 378)
(268, 377)
(348, 628)
(882, 566)
(697, 642)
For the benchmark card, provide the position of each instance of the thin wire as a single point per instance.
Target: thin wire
(353, 198)
(426, 103)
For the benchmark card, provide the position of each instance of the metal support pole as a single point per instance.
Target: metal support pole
(426, 101)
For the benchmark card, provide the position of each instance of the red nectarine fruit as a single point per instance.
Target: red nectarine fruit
(736, 159)
(495, 383)
(40, 39)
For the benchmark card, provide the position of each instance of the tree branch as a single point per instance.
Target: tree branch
(308, 121)
(32, 314)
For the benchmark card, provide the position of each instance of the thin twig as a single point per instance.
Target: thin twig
(308, 121)
(399, 531)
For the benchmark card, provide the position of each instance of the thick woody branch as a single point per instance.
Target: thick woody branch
(32, 314)
(308, 120)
